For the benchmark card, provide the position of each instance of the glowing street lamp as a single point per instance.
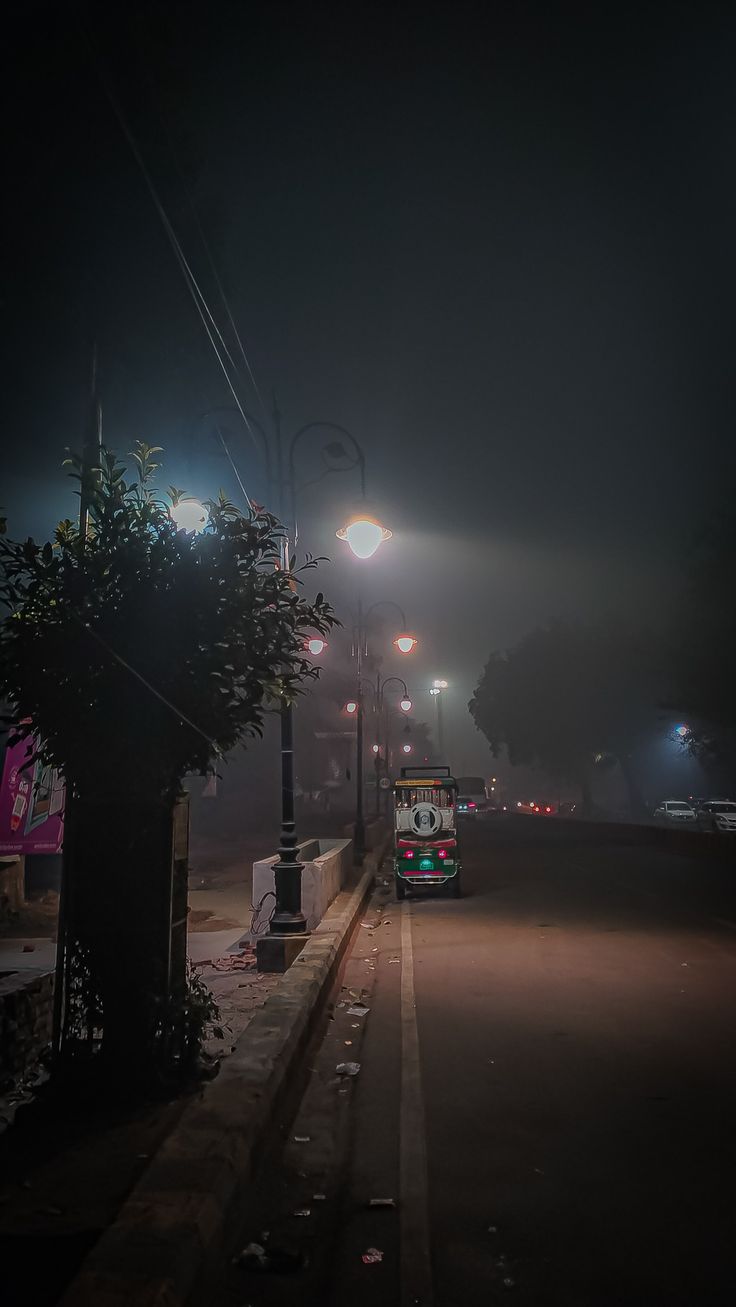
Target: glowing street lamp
(189, 515)
(434, 690)
(363, 533)
(316, 646)
(405, 704)
(406, 643)
(439, 685)
(682, 730)
(351, 707)
(406, 748)
(376, 748)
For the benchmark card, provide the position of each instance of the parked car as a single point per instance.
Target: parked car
(675, 812)
(717, 815)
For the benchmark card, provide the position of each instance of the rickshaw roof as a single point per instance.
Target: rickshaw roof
(424, 781)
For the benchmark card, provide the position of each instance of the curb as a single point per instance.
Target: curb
(176, 1216)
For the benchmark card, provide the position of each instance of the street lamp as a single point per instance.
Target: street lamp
(405, 704)
(439, 685)
(406, 748)
(406, 643)
(376, 748)
(351, 706)
(316, 646)
(363, 533)
(189, 515)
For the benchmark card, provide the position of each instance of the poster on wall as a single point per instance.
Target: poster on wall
(31, 805)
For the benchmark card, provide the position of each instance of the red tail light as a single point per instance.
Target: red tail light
(471, 805)
(548, 810)
(408, 853)
(442, 853)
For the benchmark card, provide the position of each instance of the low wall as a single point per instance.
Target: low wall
(26, 1010)
(327, 863)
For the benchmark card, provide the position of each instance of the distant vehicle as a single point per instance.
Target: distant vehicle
(533, 808)
(472, 798)
(676, 812)
(717, 815)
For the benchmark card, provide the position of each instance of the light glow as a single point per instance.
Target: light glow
(682, 730)
(376, 748)
(363, 535)
(351, 706)
(316, 646)
(189, 515)
(434, 690)
(439, 685)
(406, 748)
(406, 643)
(405, 705)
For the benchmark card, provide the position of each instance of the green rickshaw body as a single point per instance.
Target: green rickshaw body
(426, 844)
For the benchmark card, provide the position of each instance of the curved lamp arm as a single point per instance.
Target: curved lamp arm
(387, 603)
(327, 426)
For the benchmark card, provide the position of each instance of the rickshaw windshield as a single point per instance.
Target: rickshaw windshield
(441, 798)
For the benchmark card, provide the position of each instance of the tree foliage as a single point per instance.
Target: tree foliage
(144, 652)
(569, 697)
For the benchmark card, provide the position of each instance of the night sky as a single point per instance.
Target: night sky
(495, 242)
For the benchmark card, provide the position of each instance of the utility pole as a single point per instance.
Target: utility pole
(91, 452)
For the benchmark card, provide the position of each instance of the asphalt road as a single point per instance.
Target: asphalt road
(547, 1089)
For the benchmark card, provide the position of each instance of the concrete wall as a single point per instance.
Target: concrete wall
(26, 1011)
(326, 866)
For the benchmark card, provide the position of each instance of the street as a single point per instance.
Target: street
(554, 1119)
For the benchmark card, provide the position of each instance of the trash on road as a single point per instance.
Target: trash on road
(358, 1010)
(302, 1211)
(302, 1139)
(372, 1255)
(493, 1229)
(394, 959)
(508, 1282)
(367, 925)
(277, 1261)
(347, 1068)
(381, 1202)
(319, 1198)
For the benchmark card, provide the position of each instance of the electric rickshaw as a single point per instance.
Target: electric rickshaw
(426, 843)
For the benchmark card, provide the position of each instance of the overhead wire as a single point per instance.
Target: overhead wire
(205, 243)
(191, 281)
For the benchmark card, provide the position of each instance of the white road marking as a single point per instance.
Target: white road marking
(416, 1265)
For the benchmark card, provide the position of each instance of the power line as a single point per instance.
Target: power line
(191, 282)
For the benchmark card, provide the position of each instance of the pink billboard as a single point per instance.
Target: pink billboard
(31, 805)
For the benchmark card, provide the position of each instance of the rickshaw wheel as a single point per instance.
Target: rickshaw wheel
(400, 888)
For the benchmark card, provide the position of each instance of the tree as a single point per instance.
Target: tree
(134, 657)
(568, 696)
(703, 643)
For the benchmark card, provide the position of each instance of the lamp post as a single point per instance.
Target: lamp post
(383, 720)
(288, 927)
(436, 690)
(359, 651)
